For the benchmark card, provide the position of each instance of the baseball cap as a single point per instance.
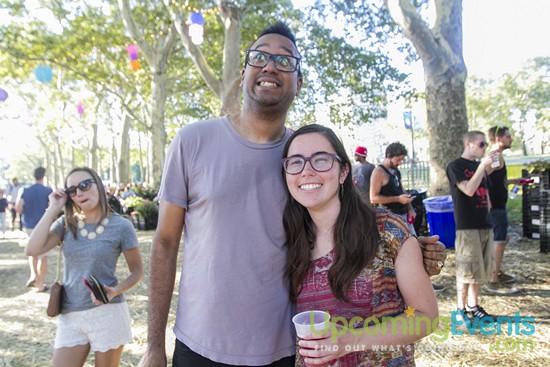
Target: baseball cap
(362, 151)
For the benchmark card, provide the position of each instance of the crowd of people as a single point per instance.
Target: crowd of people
(280, 223)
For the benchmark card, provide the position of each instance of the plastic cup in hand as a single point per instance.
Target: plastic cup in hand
(311, 323)
(496, 161)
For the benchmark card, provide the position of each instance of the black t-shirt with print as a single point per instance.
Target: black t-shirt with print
(470, 212)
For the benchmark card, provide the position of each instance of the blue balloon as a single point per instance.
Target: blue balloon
(3, 95)
(196, 18)
(44, 73)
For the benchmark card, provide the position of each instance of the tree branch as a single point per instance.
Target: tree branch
(194, 51)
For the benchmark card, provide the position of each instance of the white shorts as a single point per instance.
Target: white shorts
(105, 327)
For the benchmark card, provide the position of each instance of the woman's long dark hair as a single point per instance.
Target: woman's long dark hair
(72, 210)
(356, 236)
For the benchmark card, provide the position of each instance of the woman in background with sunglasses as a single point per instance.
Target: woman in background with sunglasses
(354, 261)
(93, 238)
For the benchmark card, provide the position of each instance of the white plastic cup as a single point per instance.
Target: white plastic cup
(311, 323)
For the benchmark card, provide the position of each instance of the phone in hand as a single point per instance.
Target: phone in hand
(96, 288)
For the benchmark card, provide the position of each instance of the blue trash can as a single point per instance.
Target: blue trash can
(441, 219)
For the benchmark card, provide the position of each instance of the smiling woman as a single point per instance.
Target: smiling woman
(340, 252)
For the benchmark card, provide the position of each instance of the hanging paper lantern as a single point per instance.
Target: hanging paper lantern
(196, 18)
(196, 32)
(133, 52)
(196, 29)
(134, 65)
(80, 108)
(43, 73)
(3, 95)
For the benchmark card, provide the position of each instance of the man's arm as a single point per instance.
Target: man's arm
(376, 183)
(19, 205)
(434, 254)
(469, 187)
(162, 274)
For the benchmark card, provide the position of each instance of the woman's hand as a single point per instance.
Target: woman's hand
(57, 199)
(110, 295)
(319, 350)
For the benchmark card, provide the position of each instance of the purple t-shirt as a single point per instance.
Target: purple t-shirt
(233, 301)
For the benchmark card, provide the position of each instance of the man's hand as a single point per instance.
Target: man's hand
(434, 254)
(153, 358)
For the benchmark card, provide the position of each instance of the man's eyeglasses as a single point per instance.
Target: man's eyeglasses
(320, 162)
(82, 186)
(259, 59)
(482, 144)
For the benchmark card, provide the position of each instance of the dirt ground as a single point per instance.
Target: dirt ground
(26, 333)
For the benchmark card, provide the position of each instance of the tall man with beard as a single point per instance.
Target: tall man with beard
(501, 139)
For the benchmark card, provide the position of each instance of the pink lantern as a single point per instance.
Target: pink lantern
(133, 51)
(80, 108)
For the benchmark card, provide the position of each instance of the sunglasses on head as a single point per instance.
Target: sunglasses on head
(482, 144)
(82, 186)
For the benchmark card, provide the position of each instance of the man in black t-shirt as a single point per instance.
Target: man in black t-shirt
(474, 234)
(498, 191)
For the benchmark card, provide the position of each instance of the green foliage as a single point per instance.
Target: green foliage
(514, 207)
(518, 101)
(147, 209)
(131, 201)
(539, 166)
(145, 192)
(349, 72)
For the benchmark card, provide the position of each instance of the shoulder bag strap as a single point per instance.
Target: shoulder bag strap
(59, 260)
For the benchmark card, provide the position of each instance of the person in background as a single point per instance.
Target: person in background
(93, 239)
(31, 204)
(349, 259)
(3, 207)
(474, 234)
(501, 139)
(12, 193)
(231, 208)
(362, 173)
(386, 188)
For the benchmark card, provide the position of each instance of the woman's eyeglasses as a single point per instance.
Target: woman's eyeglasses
(320, 162)
(82, 186)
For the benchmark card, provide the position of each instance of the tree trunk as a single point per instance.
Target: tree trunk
(156, 57)
(60, 172)
(440, 49)
(158, 133)
(447, 122)
(230, 92)
(227, 89)
(113, 166)
(93, 150)
(124, 154)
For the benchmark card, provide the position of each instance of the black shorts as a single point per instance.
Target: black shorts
(185, 357)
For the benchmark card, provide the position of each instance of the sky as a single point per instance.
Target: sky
(499, 37)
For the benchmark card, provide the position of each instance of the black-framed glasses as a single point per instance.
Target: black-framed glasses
(82, 186)
(320, 162)
(259, 59)
(482, 144)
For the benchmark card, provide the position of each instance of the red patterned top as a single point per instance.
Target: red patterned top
(374, 293)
